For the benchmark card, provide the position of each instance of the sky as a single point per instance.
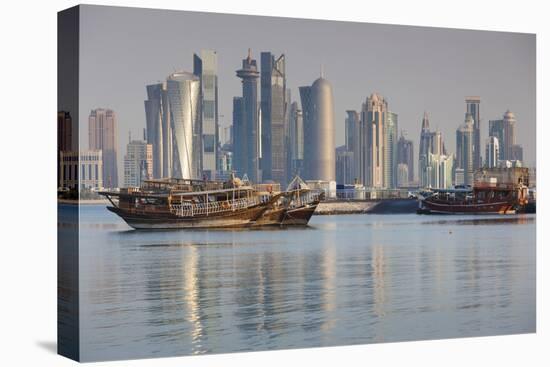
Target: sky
(416, 69)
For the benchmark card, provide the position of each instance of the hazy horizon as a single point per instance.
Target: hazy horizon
(416, 69)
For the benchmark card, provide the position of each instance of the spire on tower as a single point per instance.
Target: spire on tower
(425, 122)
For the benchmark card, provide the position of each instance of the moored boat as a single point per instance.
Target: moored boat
(294, 207)
(169, 204)
(302, 205)
(495, 191)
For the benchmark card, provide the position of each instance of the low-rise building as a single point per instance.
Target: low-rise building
(84, 170)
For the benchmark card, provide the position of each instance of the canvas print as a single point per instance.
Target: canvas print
(232, 183)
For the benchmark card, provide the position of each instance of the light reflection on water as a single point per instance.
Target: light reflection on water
(346, 280)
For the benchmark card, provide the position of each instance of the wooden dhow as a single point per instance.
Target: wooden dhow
(187, 203)
(181, 203)
(495, 191)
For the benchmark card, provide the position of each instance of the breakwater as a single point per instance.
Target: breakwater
(375, 206)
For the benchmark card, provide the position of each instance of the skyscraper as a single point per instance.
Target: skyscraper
(492, 152)
(138, 163)
(373, 142)
(64, 131)
(64, 138)
(472, 108)
(405, 155)
(318, 115)
(102, 135)
(273, 107)
(158, 129)
(205, 67)
(239, 138)
(505, 131)
(390, 150)
(424, 148)
(403, 175)
(439, 171)
(465, 149)
(344, 165)
(289, 175)
(249, 120)
(431, 142)
(353, 135)
(183, 90)
(296, 138)
(517, 153)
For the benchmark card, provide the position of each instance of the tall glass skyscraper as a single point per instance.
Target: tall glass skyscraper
(472, 108)
(424, 149)
(390, 148)
(405, 155)
(439, 171)
(465, 149)
(183, 94)
(273, 107)
(239, 138)
(505, 131)
(205, 67)
(353, 134)
(492, 152)
(250, 119)
(154, 116)
(296, 135)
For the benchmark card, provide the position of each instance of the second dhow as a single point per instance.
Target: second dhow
(293, 207)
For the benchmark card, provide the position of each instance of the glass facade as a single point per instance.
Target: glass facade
(250, 164)
(465, 149)
(205, 68)
(273, 107)
(183, 94)
(390, 151)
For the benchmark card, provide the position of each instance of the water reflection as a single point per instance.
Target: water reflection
(350, 279)
(485, 221)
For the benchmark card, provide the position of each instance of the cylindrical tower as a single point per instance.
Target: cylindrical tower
(319, 130)
(183, 94)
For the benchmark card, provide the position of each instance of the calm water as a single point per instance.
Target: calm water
(350, 279)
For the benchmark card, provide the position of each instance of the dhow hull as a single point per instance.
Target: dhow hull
(235, 219)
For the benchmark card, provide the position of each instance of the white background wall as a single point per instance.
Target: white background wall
(28, 145)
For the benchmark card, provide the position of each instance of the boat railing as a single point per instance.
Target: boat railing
(190, 209)
(302, 197)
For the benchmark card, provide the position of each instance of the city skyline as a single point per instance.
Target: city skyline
(502, 74)
(376, 159)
